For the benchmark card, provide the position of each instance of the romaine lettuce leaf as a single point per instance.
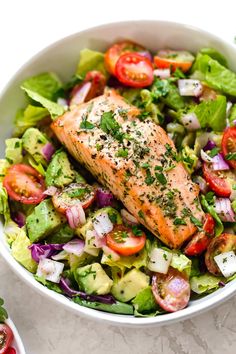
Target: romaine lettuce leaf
(4, 207)
(212, 113)
(13, 150)
(90, 60)
(214, 54)
(28, 118)
(205, 283)
(4, 165)
(211, 210)
(21, 252)
(215, 74)
(181, 263)
(52, 286)
(145, 304)
(45, 84)
(232, 114)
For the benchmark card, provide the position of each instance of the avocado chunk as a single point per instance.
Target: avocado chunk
(63, 235)
(33, 142)
(130, 285)
(14, 150)
(43, 221)
(59, 172)
(92, 279)
(90, 248)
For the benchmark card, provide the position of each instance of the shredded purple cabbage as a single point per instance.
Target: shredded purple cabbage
(104, 198)
(209, 145)
(39, 251)
(66, 288)
(19, 218)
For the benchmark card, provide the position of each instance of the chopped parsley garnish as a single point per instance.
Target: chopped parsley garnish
(113, 217)
(231, 156)
(120, 236)
(160, 88)
(149, 178)
(145, 165)
(195, 221)
(214, 152)
(165, 256)
(161, 178)
(78, 193)
(210, 198)
(170, 152)
(17, 144)
(179, 221)
(136, 231)
(86, 125)
(141, 214)
(110, 126)
(178, 73)
(143, 115)
(158, 168)
(99, 147)
(122, 153)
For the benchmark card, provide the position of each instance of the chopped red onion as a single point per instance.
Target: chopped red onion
(224, 209)
(99, 242)
(79, 93)
(189, 87)
(48, 150)
(221, 284)
(162, 73)
(102, 224)
(19, 218)
(209, 145)
(146, 54)
(104, 197)
(228, 108)
(50, 191)
(75, 247)
(190, 121)
(128, 218)
(201, 183)
(75, 216)
(219, 164)
(205, 157)
(63, 102)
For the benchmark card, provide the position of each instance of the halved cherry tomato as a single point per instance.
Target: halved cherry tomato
(229, 145)
(216, 181)
(220, 244)
(6, 337)
(24, 184)
(201, 239)
(73, 194)
(10, 351)
(92, 86)
(133, 69)
(173, 59)
(171, 290)
(123, 241)
(114, 52)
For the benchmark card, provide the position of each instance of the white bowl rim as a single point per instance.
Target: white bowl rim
(17, 338)
(208, 302)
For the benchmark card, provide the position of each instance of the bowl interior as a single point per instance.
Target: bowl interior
(62, 58)
(17, 342)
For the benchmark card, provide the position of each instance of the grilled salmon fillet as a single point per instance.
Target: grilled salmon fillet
(137, 161)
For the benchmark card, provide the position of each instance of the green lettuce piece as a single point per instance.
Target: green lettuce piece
(189, 159)
(90, 60)
(13, 150)
(232, 114)
(234, 205)
(53, 108)
(45, 84)
(219, 228)
(21, 252)
(28, 118)
(36, 165)
(173, 98)
(182, 263)
(50, 285)
(4, 206)
(215, 74)
(4, 165)
(214, 54)
(205, 283)
(212, 113)
(145, 304)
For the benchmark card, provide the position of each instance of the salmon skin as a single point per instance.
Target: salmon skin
(136, 161)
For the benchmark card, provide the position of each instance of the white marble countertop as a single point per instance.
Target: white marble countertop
(46, 328)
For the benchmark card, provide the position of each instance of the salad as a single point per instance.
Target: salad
(6, 334)
(118, 187)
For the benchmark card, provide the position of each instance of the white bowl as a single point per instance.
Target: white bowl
(62, 58)
(17, 342)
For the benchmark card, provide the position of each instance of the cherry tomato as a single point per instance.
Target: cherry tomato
(171, 290)
(216, 181)
(24, 184)
(173, 59)
(6, 337)
(229, 145)
(92, 86)
(10, 351)
(73, 194)
(220, 244)
(201, 239)
(114, 52)
(133, 69)
(123, 241)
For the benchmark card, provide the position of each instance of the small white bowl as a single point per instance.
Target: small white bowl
(17, 343)
(62, 58)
